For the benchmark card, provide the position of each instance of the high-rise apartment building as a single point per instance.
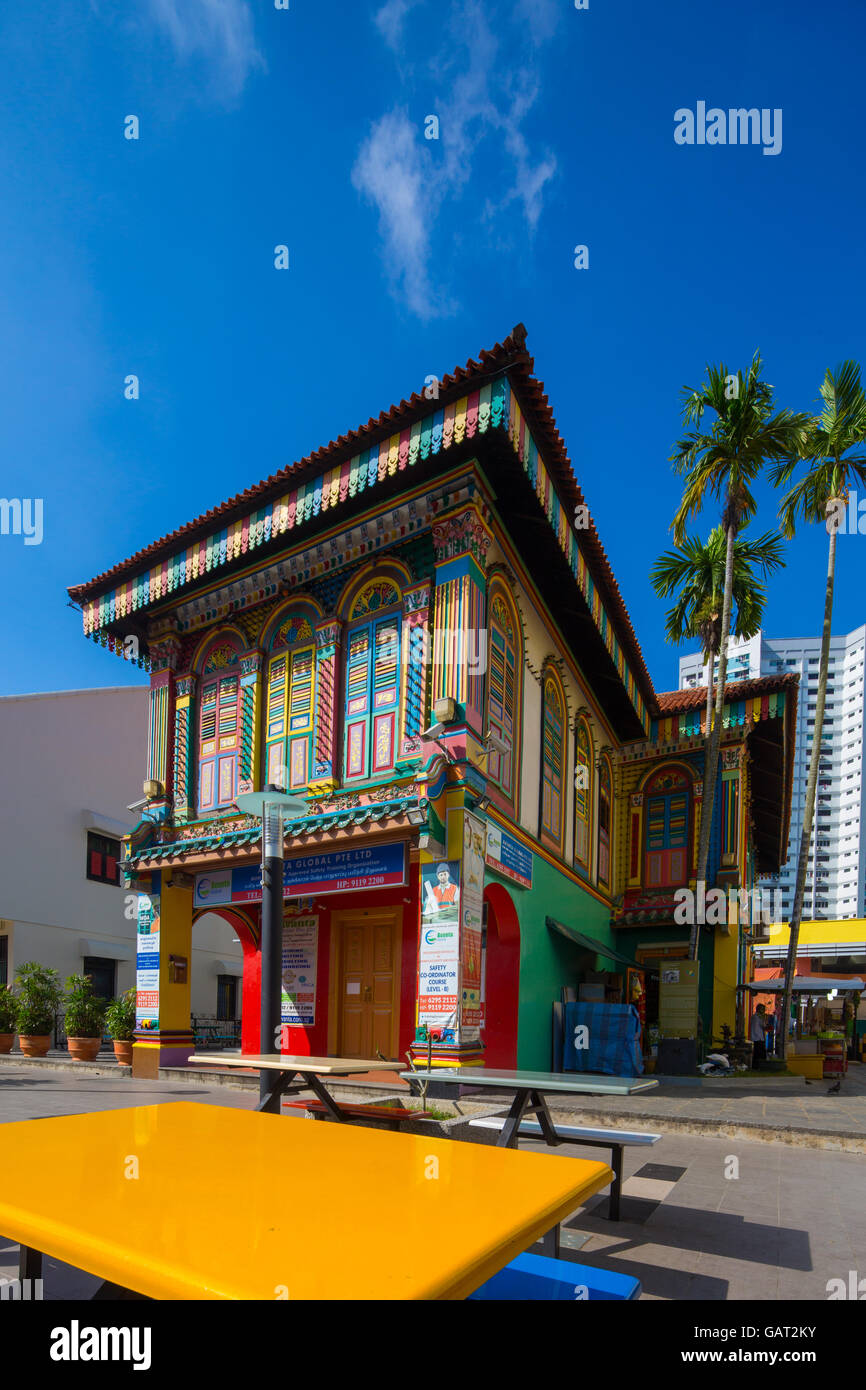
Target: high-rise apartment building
(836, 880)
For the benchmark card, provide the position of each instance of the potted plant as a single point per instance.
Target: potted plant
(85, 1019)
(120, 1022)
(8, 1018)
(39, 996)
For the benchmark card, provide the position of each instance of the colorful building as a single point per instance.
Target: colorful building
(417, 629)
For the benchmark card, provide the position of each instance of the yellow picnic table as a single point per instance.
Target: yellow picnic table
(197, 1201)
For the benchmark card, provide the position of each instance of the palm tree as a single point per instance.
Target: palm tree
(725, 461)
(822, 495)
(697, 570)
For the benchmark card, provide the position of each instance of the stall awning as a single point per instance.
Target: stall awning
(108, 950)
(822, 949)
(229, 967)
(589, 943)
(803, 984)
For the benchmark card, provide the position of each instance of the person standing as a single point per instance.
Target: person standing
(756, 1034)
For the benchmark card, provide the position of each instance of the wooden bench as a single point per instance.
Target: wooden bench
(616, 1140)
(538, 1278)
(392, 1116)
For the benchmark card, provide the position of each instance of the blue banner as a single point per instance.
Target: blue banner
(339, 871)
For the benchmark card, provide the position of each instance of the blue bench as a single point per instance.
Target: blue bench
(539, 1279)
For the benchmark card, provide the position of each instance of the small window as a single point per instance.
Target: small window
(103, 974)
(103, 859)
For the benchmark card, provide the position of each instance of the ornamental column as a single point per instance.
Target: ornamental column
(184, 743)
(461, 541)
(416, 666)
(326, 754)
(251, 724)
(452, 873)
(164, 654)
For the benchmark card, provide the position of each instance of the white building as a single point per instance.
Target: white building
(71, 764)
(836, 882)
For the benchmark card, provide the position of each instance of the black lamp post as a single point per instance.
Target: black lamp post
(269, 806)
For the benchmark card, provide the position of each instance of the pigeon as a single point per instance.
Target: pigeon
(834, 1090)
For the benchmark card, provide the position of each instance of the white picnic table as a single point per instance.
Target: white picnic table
(288, 1071)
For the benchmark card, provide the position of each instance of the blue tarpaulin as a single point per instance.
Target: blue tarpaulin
(603, 1038)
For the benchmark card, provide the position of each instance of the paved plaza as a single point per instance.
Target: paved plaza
(704, 1217)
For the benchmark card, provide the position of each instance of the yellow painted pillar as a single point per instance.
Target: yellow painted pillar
(725, 972)
(163, 1036)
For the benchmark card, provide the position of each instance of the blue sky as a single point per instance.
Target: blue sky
(305, 127)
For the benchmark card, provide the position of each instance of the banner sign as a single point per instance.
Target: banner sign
(147, 961)
(439, 948)
(300, 957)
(471, 909)
(508, 856)
(309, 875)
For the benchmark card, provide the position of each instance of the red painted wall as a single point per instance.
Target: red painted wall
(313, 1042)
(502, 979)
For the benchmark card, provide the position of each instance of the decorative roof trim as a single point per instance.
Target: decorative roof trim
(493, 406)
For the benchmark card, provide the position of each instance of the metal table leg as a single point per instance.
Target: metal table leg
(550, 1243)
(284, 1084)
(617, 1154)
(326, 1098)
(509, 1130)
(29, 1263)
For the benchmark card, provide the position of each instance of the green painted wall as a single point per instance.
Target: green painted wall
(547, 960)
(630, 938)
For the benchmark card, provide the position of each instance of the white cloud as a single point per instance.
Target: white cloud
(540, 16)
(392, 171)
(219, 31)
(389, 20)
(408, 178)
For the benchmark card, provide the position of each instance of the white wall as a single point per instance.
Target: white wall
(68, 758)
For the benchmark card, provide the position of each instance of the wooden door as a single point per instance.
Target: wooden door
(367, 978)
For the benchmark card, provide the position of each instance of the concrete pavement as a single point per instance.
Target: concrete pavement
(704, 1217)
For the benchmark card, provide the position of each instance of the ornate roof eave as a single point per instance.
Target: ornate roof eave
(493, 402)
(330, 830)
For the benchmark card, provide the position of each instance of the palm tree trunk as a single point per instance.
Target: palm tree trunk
(710, 692)
(713, 739)
(808, 814)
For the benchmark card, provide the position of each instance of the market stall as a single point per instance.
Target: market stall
(822, 1015)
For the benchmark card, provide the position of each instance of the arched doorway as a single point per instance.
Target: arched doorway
(501, 979)
(216, 932)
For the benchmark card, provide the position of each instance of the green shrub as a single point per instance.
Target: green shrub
(85, 1014)
(120, 1017)
(39, 996)
(8, 1010)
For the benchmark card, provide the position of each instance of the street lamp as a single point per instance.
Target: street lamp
(269, 807)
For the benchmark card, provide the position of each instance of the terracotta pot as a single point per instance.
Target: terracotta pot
(123, 1051)
(6, 1041)
(84, 1049)
(34, 1044)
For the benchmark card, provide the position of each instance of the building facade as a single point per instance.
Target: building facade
(836, 878)
(418, 631)
(74, 759)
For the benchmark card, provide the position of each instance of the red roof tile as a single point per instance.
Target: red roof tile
(509, 355)
(678, 701)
